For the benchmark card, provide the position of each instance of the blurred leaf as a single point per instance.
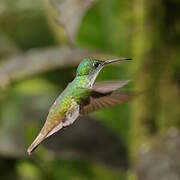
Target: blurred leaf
(28, 171)
(35, 86)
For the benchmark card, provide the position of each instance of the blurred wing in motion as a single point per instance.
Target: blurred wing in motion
(109, 86)
(103, 95)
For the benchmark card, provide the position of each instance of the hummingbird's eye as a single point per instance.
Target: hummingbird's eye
(96, 64)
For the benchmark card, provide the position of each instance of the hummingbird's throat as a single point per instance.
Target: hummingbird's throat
(93, 77)
(86, 81)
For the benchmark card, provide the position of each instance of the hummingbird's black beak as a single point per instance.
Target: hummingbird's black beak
(116, 60)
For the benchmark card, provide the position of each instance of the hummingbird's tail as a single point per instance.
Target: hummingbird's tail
(35, 143)
(45, 132)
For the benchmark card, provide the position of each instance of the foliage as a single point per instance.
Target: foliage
(39, 51)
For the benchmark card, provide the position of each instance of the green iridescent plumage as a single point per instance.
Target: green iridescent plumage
(87, 66)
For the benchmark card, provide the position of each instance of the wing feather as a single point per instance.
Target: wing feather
(109, 86)
(103, 96)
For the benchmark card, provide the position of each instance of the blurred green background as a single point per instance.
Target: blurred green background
(41, 44)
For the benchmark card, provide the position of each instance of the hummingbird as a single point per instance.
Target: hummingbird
(81, 97)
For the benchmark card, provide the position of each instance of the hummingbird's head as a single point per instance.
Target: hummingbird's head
(89, 67)
(92, 66)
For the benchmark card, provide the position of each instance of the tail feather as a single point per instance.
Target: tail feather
(35, 143)
(44, 133)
